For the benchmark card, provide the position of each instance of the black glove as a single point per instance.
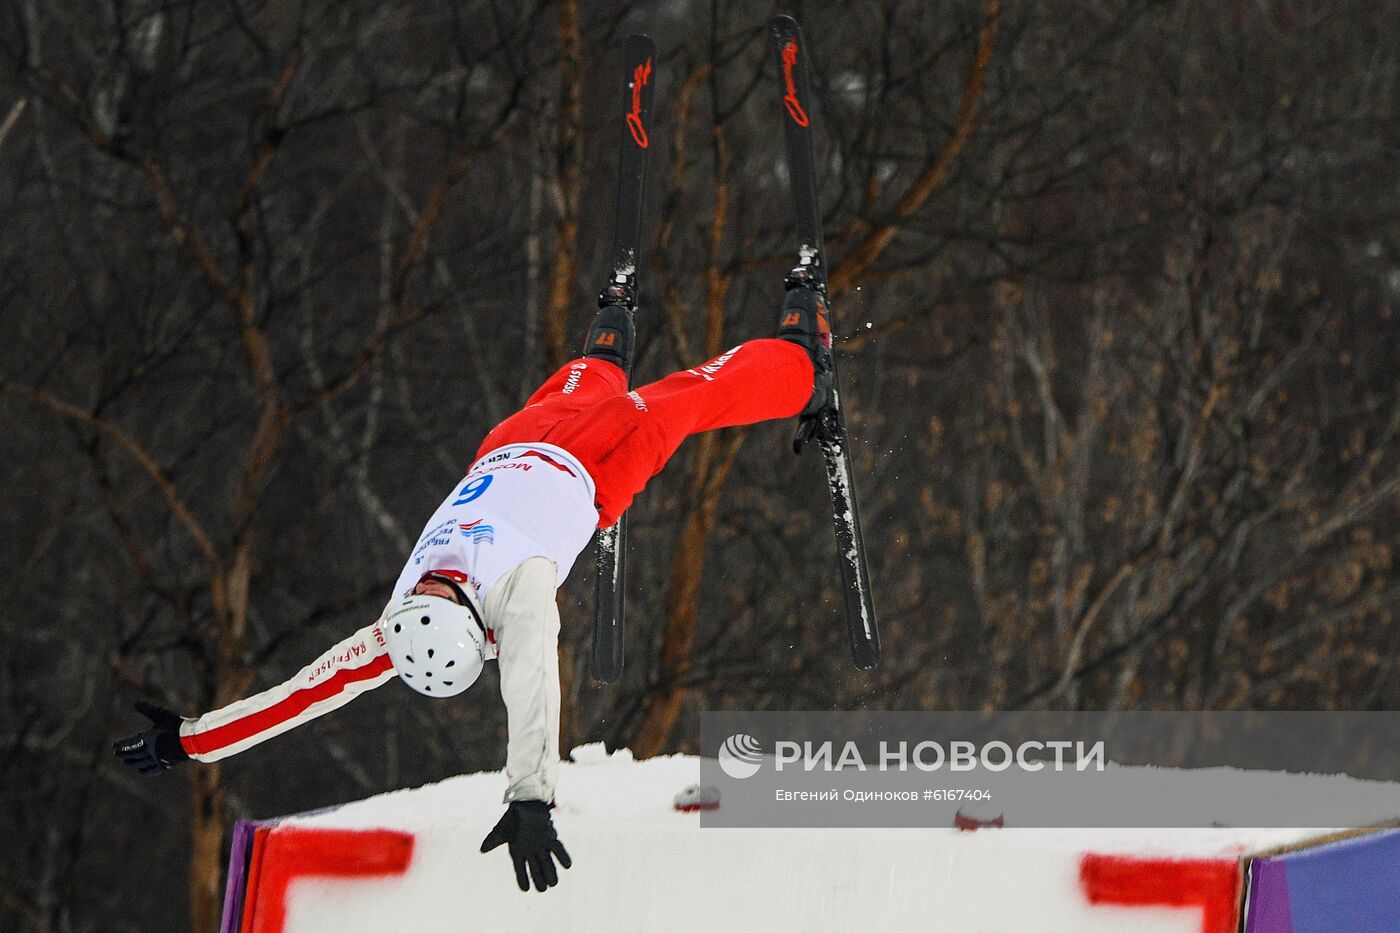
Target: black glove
(528, 829)
(158, 748)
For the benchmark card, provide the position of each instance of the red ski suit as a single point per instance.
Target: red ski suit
(624, 438)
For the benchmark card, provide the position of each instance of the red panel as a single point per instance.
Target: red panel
(284, 853)
(250, 890)
(1210, 884)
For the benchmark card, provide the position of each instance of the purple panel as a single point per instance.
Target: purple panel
(238, 855)
(1268, 910)
(1353, 884)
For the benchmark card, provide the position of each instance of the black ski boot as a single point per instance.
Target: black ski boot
(803, 320)
(612, 334)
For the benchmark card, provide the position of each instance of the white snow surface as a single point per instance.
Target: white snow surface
(640, 865)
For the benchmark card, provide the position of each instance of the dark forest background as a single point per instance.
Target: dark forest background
(1115, 286)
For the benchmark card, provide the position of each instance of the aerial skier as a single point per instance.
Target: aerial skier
(480, 583)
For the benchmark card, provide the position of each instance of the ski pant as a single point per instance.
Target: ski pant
(625, 438)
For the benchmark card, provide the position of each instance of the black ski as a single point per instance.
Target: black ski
(638, 54)
(828, 428)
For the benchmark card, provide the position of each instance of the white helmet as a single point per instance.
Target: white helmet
(438, 647)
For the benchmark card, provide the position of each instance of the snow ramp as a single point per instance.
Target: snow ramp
(409, 860)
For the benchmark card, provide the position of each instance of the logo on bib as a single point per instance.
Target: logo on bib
(478, 532)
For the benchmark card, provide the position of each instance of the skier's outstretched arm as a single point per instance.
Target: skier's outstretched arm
(522, 611)
(343, 672)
